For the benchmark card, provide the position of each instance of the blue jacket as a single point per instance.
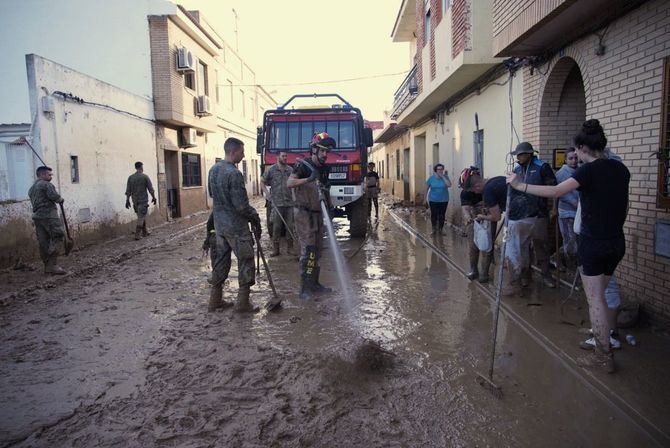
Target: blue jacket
(567, 204)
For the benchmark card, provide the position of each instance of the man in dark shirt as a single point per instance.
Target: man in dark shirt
(48, 227)
(137, 187)
(491, 194)
(529, 219)
(372, 189)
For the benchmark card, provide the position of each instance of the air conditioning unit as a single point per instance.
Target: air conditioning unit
(188, 138)
(203, 106)
(185, 60)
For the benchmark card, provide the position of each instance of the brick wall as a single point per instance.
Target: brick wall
(161, 55)
(460, 27)
(512, 18)
(420, 42)
(622, 89)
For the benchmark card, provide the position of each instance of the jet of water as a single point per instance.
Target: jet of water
(342, 271)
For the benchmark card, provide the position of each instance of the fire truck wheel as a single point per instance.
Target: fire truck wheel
(358, 218)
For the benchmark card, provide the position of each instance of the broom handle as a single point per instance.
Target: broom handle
(499, 289)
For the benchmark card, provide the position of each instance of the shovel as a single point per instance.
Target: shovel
(67, 242)
(275, 303)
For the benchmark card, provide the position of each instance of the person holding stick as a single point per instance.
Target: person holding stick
(603, 190)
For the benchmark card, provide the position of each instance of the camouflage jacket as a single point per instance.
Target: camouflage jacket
(276, 178)
(232, 211)
(44, 197)
(137, 186)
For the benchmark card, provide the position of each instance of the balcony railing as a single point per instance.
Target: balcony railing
(408, 90)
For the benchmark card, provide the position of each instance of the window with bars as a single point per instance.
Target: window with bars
(663, 196)
(190, 166)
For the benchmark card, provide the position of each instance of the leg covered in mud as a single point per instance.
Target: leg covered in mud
(221, 260)
(540, 244)
(243, 248)
(50, 235)
(309, 269)
(141, 224)
(473, 252)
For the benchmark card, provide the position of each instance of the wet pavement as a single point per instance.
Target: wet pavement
(125, 353)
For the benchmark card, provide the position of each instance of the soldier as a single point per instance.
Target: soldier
(280, 196)
(308, 178)
(232, 215)
(372, 189)
(137, 186)
(48, 227)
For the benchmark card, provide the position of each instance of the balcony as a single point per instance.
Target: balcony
(408, 90)
(534, 27)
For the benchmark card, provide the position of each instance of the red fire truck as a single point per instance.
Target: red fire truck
(291, 130)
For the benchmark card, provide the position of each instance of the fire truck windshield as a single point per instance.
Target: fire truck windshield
(296, 135)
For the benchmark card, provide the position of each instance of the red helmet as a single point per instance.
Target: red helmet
(323, 140)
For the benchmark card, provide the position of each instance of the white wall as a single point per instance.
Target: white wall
(106, 142)
(108, 40)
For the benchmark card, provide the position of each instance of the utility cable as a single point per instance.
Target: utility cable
(308, 83)
(76, 99)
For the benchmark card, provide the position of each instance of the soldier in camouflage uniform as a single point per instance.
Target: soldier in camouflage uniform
(137, 186)
(48, 227)
(232, 215)
(280, 196)
(308, 178)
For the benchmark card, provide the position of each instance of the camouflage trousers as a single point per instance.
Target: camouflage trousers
(278, 225)
(50, 234)
(221, 252)
(309, 230)
(141, 211)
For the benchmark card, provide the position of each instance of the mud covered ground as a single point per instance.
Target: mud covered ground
(126, 354)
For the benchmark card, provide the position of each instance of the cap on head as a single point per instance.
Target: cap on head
(523, 148)
(323, 140)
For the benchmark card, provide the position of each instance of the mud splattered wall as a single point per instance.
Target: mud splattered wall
(107, 129)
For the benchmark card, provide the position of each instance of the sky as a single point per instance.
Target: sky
(298, 41)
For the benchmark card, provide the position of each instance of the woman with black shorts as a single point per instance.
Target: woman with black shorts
(603, 191)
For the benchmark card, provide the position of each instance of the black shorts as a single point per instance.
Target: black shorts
(598, 257)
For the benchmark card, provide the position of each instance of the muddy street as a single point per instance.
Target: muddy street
(126, 354)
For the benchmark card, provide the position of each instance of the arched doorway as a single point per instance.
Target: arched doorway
(563, 107)
(562, 112)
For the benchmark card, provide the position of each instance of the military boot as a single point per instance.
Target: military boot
(51, 267)
(306, 292)
(474, 272)
(318, 287)
(242, 304)
(145, 232)
(487, 257)
(216, 301)
(138, 232)
(275, 248)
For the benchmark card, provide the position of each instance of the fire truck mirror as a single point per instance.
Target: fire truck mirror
(259, 140)
(367, 137)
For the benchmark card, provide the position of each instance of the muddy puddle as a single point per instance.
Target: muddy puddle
(128, 356)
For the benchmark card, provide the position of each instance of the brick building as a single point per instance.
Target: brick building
(608, 60)
(454, 105)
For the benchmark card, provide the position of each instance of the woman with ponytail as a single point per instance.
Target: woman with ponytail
(602, 184)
